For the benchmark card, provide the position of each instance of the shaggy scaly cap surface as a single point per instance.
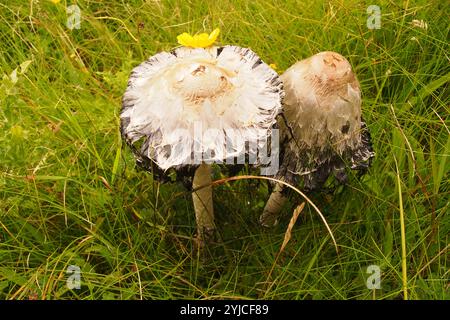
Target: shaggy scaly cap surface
(200, 100)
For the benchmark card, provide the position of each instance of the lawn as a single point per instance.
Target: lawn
(71, 197)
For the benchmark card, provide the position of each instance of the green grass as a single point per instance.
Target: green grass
(70, 193)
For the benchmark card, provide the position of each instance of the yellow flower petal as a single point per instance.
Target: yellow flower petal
(202, 36)
(273, 66)
(202, 40)
(213, 36)
(185, 39)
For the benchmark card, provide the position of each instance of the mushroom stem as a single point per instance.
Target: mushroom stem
(269, 217)
(203, 204)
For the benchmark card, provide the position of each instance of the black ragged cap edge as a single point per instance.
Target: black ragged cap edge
(184, 174)
(362, 156)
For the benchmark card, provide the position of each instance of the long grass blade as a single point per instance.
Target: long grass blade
(403, 235)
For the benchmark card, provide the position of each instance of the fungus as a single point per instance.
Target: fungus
(321, 131)
(196, 105)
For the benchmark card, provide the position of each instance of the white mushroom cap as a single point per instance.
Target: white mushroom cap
(323, 102)
(207, 101)
(323, 129)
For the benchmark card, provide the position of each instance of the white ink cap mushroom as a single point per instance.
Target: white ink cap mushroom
(196, 105)
(200, 104)
(322, 132)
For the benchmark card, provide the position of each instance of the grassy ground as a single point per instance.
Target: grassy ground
(71, 195)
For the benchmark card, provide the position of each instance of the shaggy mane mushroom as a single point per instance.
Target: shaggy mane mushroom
(322, 132)
(186, 109)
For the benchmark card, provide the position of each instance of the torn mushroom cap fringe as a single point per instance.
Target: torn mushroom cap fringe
(195, 99)
(323, 127)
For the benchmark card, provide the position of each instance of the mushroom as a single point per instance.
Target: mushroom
(186, 109)
(321, 132)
